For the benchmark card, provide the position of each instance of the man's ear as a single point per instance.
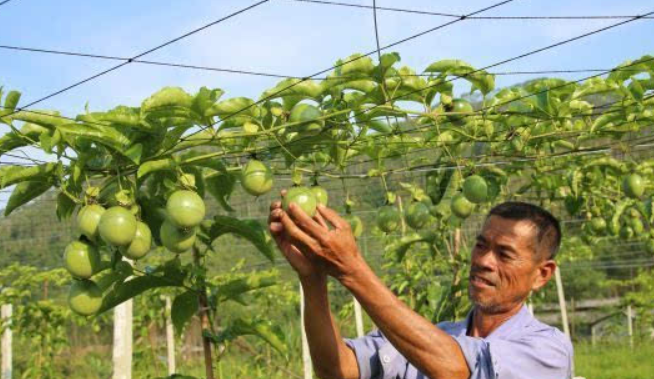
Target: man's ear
(544, 273)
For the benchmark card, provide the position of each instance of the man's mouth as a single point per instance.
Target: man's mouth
(479, 281)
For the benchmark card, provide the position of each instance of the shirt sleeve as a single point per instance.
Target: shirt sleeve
(542, 356)
(376, 357)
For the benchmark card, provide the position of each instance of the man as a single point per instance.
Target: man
(513, 256)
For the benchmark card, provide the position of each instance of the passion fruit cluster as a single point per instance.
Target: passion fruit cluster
(119, 229)
(474, 191)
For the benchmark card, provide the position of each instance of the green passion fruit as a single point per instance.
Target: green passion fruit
(303, 197)
(475, 189)
(459, 106)
(176, 240)
(117, 226)
(388, 219)
(356, 225)
(626, 232)
(320, 194)
(417, 215)
(256, 178)
(308, 115)
(637, 225)
(140, 245)
(598, 225)
(633, 186)
(88, 220)
(81, 259)
(461, 206)
(185, 209)
(84, 297)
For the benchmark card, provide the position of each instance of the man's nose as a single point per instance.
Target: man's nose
(484, 259)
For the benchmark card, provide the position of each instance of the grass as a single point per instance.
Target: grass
(615, 361)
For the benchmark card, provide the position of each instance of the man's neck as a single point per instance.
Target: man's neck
(483, 324)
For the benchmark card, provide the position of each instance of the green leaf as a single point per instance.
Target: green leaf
(11, 141)
(184, 307)
(221, 185)
(24, 192)
(251, 230)
(10, 175)
(301, 89)
(105, 135)
(239, 286)
(65, 206)
(242, 327)
(124, 291)
(205, 99)
(479, 79)
(134, 153)
(242, 106)
(46, 119)
(12, 99)
(355, 64)
(400, 247)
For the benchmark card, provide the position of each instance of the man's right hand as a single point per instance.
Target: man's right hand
(301, 264)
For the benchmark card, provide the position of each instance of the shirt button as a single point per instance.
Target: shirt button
(386, 359)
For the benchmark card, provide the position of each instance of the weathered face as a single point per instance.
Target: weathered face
(504, 268)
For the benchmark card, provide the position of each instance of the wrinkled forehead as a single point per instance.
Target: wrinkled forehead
(519, 234)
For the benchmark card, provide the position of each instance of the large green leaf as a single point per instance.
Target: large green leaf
(221, 185)
(294, 87)
(10, 175)
(24, 192)
(259, 328)
(156, 165)
(236, 287)
(11, 141)
(124, 291)
(103, 134)
(184, 307)
(251, 230)
(479, 79)
(46, 119)
(11, 101)
(205, 99)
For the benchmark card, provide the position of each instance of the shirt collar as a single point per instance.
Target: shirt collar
(514, 322)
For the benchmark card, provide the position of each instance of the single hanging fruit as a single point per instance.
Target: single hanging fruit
(633, 186)
(185, 209)
(417, 215)
(117, 226)
(256, 178)
(176, 240)
(140, 245)
(320, 194)
(84, 297)
(388, 219)
(303, 197)
(88, 220)
(461, 206)
(475, 189)
(81, 259)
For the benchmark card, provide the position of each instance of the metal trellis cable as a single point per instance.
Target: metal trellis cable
(269, 74)
(451, 15)
(521, 56)
(149, 51)
(404, 40)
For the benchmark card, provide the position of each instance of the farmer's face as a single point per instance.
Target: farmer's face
(505, 266)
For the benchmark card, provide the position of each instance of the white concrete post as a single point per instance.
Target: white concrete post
(630, 326)
(564, 311)
(122, 348)
(5, 318)
(170, 338)
(306, 355)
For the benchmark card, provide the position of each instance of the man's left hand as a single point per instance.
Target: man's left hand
(334, 248)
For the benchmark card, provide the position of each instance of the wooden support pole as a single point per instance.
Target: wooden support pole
(5, 319)
(306, 355)
(170, 338)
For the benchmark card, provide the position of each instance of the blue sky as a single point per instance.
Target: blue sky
(286, 37)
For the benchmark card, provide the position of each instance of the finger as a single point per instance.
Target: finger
(321, 220)
(275, 205)
(276, 227)
(275, 215)
(282, 193)
(333, 217)
(295, 233)
(306, 223)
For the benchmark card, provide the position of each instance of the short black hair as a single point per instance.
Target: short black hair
(549, 228)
